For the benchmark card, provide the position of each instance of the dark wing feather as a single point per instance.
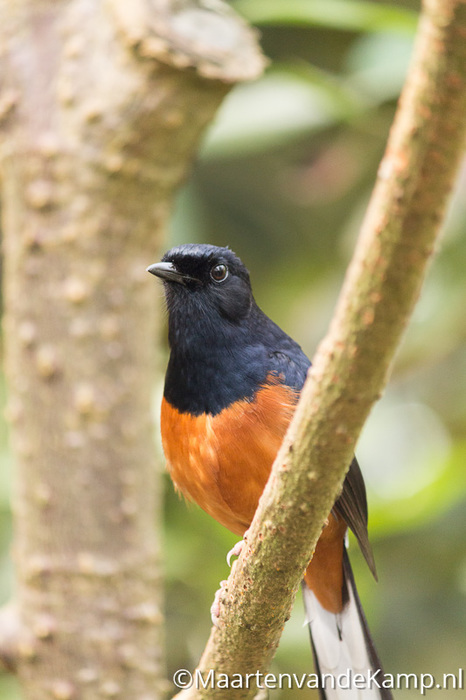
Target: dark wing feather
(352, 507)
(291, 363)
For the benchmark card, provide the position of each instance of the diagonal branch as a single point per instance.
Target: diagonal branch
(352, 364)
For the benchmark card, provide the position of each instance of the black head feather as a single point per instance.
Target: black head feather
(223, 347)
(212, 279)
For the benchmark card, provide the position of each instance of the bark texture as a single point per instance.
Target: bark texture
(98, 127)
(352, 364)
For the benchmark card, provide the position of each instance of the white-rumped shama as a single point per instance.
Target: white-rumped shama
(232, 383)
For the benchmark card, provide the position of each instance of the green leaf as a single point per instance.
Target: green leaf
(347, 15)
(270, 112)
(377, 64)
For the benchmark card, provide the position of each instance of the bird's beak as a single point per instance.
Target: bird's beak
(168, 272)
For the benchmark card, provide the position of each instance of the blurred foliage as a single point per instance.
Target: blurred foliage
(283, 178)
(350, 15)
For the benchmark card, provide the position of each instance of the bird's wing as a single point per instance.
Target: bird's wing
(352, 507)
(292, 365)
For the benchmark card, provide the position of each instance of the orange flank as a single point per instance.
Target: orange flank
(224, 471)
(227, 481)
(324, 575)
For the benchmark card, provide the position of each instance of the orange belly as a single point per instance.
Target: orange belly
(222, 463)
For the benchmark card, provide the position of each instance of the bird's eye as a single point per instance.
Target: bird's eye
(219, 273)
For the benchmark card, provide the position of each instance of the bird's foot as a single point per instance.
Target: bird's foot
(215, 607)
(237, 549)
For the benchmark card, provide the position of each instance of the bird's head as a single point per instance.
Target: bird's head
(205, 280)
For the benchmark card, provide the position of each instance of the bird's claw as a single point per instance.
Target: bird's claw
(237, 549)
(215, 607)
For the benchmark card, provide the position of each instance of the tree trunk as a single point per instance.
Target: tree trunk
(98, 128)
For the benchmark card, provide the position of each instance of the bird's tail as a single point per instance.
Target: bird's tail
(344, 654)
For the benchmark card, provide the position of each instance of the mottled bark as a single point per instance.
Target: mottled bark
(352, 364)
(98, 126)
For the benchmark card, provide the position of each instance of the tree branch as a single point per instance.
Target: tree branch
(352, 363)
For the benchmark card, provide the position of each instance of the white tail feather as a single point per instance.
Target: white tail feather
(340, 646)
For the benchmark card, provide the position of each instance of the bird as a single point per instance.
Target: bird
(231, 386)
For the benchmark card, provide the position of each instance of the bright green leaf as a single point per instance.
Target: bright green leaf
(348, 15)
